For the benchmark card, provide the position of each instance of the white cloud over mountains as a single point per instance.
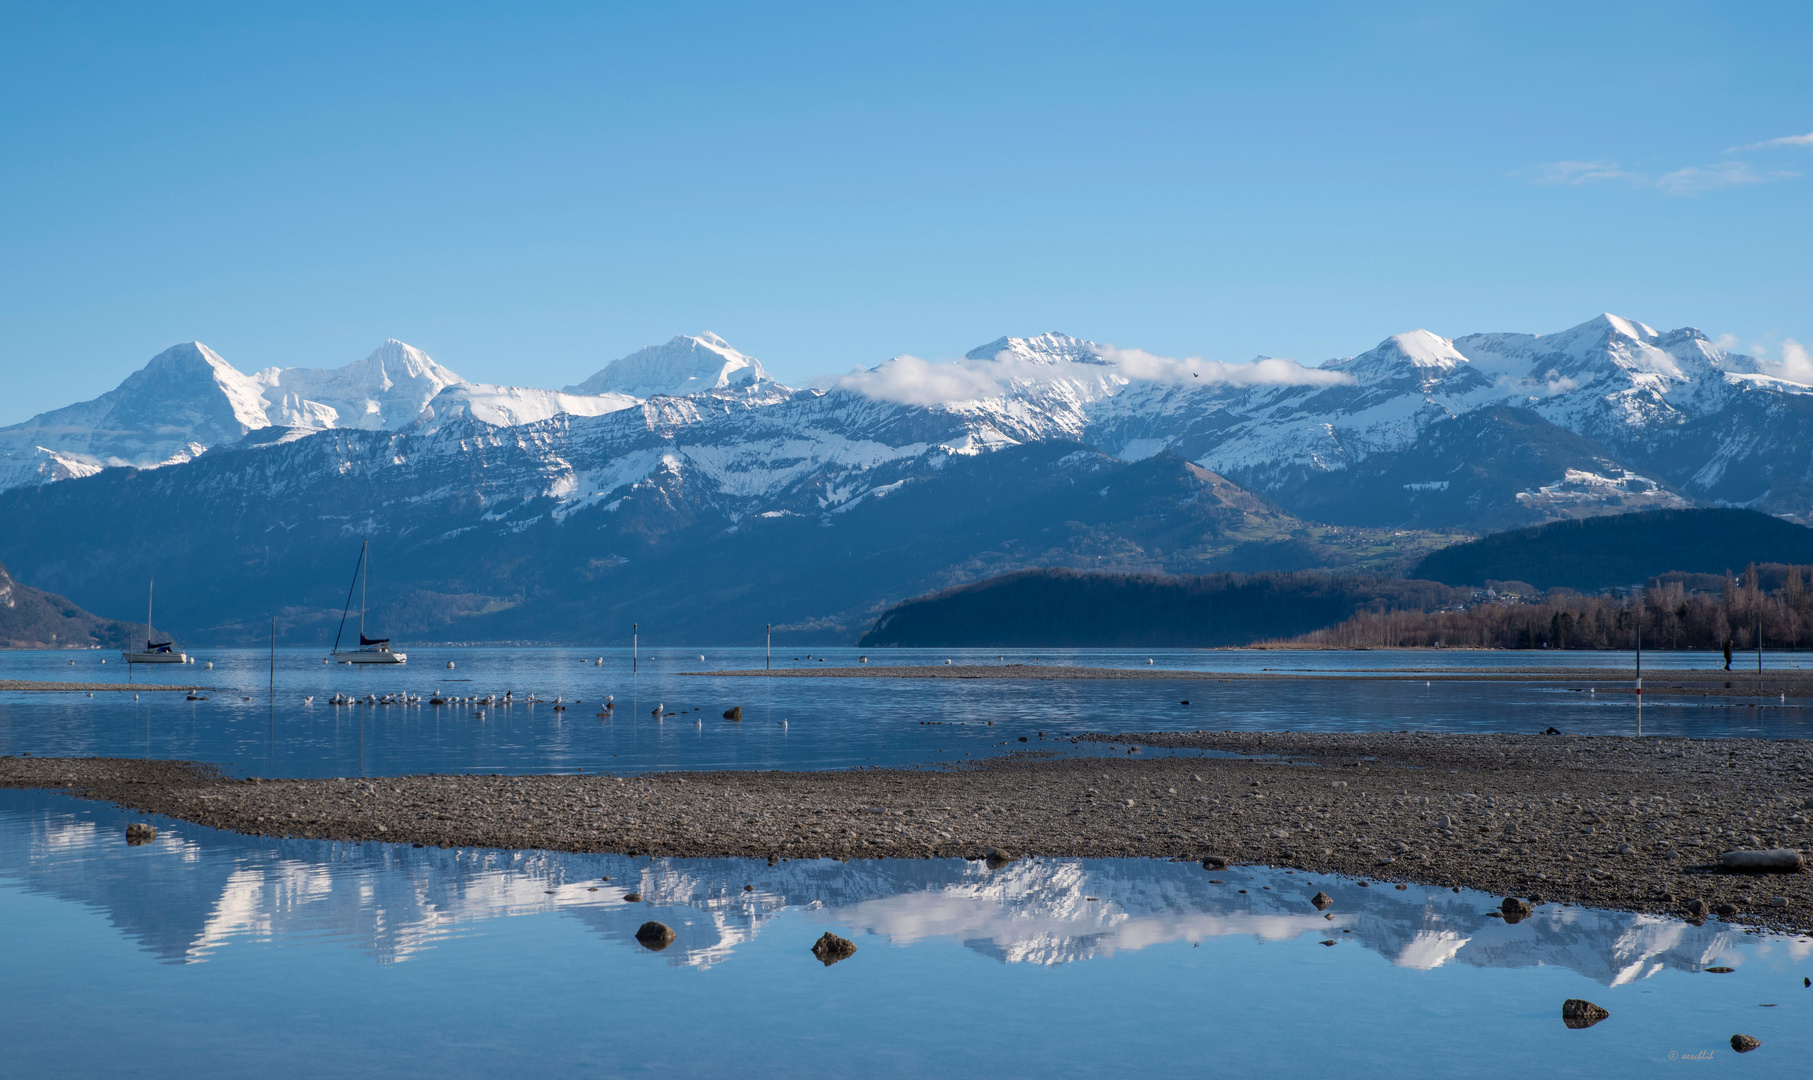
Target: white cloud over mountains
(908, 380)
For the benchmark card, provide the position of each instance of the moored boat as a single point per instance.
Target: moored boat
(371, 650)
(154, 652)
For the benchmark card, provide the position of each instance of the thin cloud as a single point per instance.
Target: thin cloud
(1574, 173)
(909, 380)
(1697, 180)
(1773, 144)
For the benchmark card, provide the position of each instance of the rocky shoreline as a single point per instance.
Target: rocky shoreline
(1615, 822)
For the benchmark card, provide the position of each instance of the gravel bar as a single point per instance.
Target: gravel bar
(1791, 683)
(1616, 822)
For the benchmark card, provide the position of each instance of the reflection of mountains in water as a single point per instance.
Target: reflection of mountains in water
(195, 889)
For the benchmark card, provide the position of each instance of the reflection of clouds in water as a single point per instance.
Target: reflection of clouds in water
(195, 891)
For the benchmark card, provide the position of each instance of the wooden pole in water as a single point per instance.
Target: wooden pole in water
(635, 648)
(1639, 674)
(271, 696)
(768, 664)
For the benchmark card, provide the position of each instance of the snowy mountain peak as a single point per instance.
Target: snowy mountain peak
(192, 367)
(387, 389)
(1046, 348)
(1419, 355)
(684, 365)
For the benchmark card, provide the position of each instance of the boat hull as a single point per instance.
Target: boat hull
(373, 658)
(154, 657)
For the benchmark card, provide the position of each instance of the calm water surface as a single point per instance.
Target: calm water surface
(839, 723)
(212, 954)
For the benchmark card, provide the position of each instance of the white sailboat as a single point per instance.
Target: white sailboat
(155, 652)
(371, 650)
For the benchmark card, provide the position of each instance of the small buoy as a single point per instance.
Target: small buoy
(862, 659)
(1784, 695)
(947, 662)
(210, 665)
(1148, 661)
(325, 660)
(449, 665)
(701, 657)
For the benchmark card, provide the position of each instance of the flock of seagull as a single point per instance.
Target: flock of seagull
(479, 702)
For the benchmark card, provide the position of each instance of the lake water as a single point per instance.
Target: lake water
(213, 954)
(250, 730)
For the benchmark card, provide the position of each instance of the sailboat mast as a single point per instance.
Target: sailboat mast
(150, 592)
(364, 579)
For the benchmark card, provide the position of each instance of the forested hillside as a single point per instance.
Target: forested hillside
(1066, 608)
(1621, 550)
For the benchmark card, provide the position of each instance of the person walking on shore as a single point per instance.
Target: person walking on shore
(1727, 654)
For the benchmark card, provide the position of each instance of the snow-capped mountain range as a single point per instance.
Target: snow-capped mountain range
(188, 400)
(683, 479)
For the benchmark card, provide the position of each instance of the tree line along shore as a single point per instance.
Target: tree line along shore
(1677, 611)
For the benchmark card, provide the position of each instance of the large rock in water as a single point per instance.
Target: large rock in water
(1515, 910)
(831, 948)
(1771, 861)
(1743, 1044)
(1580, 1013)
(1322, 901)
(735, 712)
(996, 857)
(655, 936)
(140, 833)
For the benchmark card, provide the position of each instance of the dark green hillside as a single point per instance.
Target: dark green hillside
(1626, 549)
(34, 619)
(1055, 608)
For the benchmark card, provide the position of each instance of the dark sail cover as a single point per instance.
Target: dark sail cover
(363, 640)
(151, 646)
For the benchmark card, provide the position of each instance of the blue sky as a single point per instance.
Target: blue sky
(527, 194)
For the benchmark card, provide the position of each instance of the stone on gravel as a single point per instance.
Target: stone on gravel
(1214, 862)
(1743, 1044)
(655, 936)
(830, 949)
(1579, 1013)
(140, 833)
(1770, 861)
(1515, 910)
(997, 857)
